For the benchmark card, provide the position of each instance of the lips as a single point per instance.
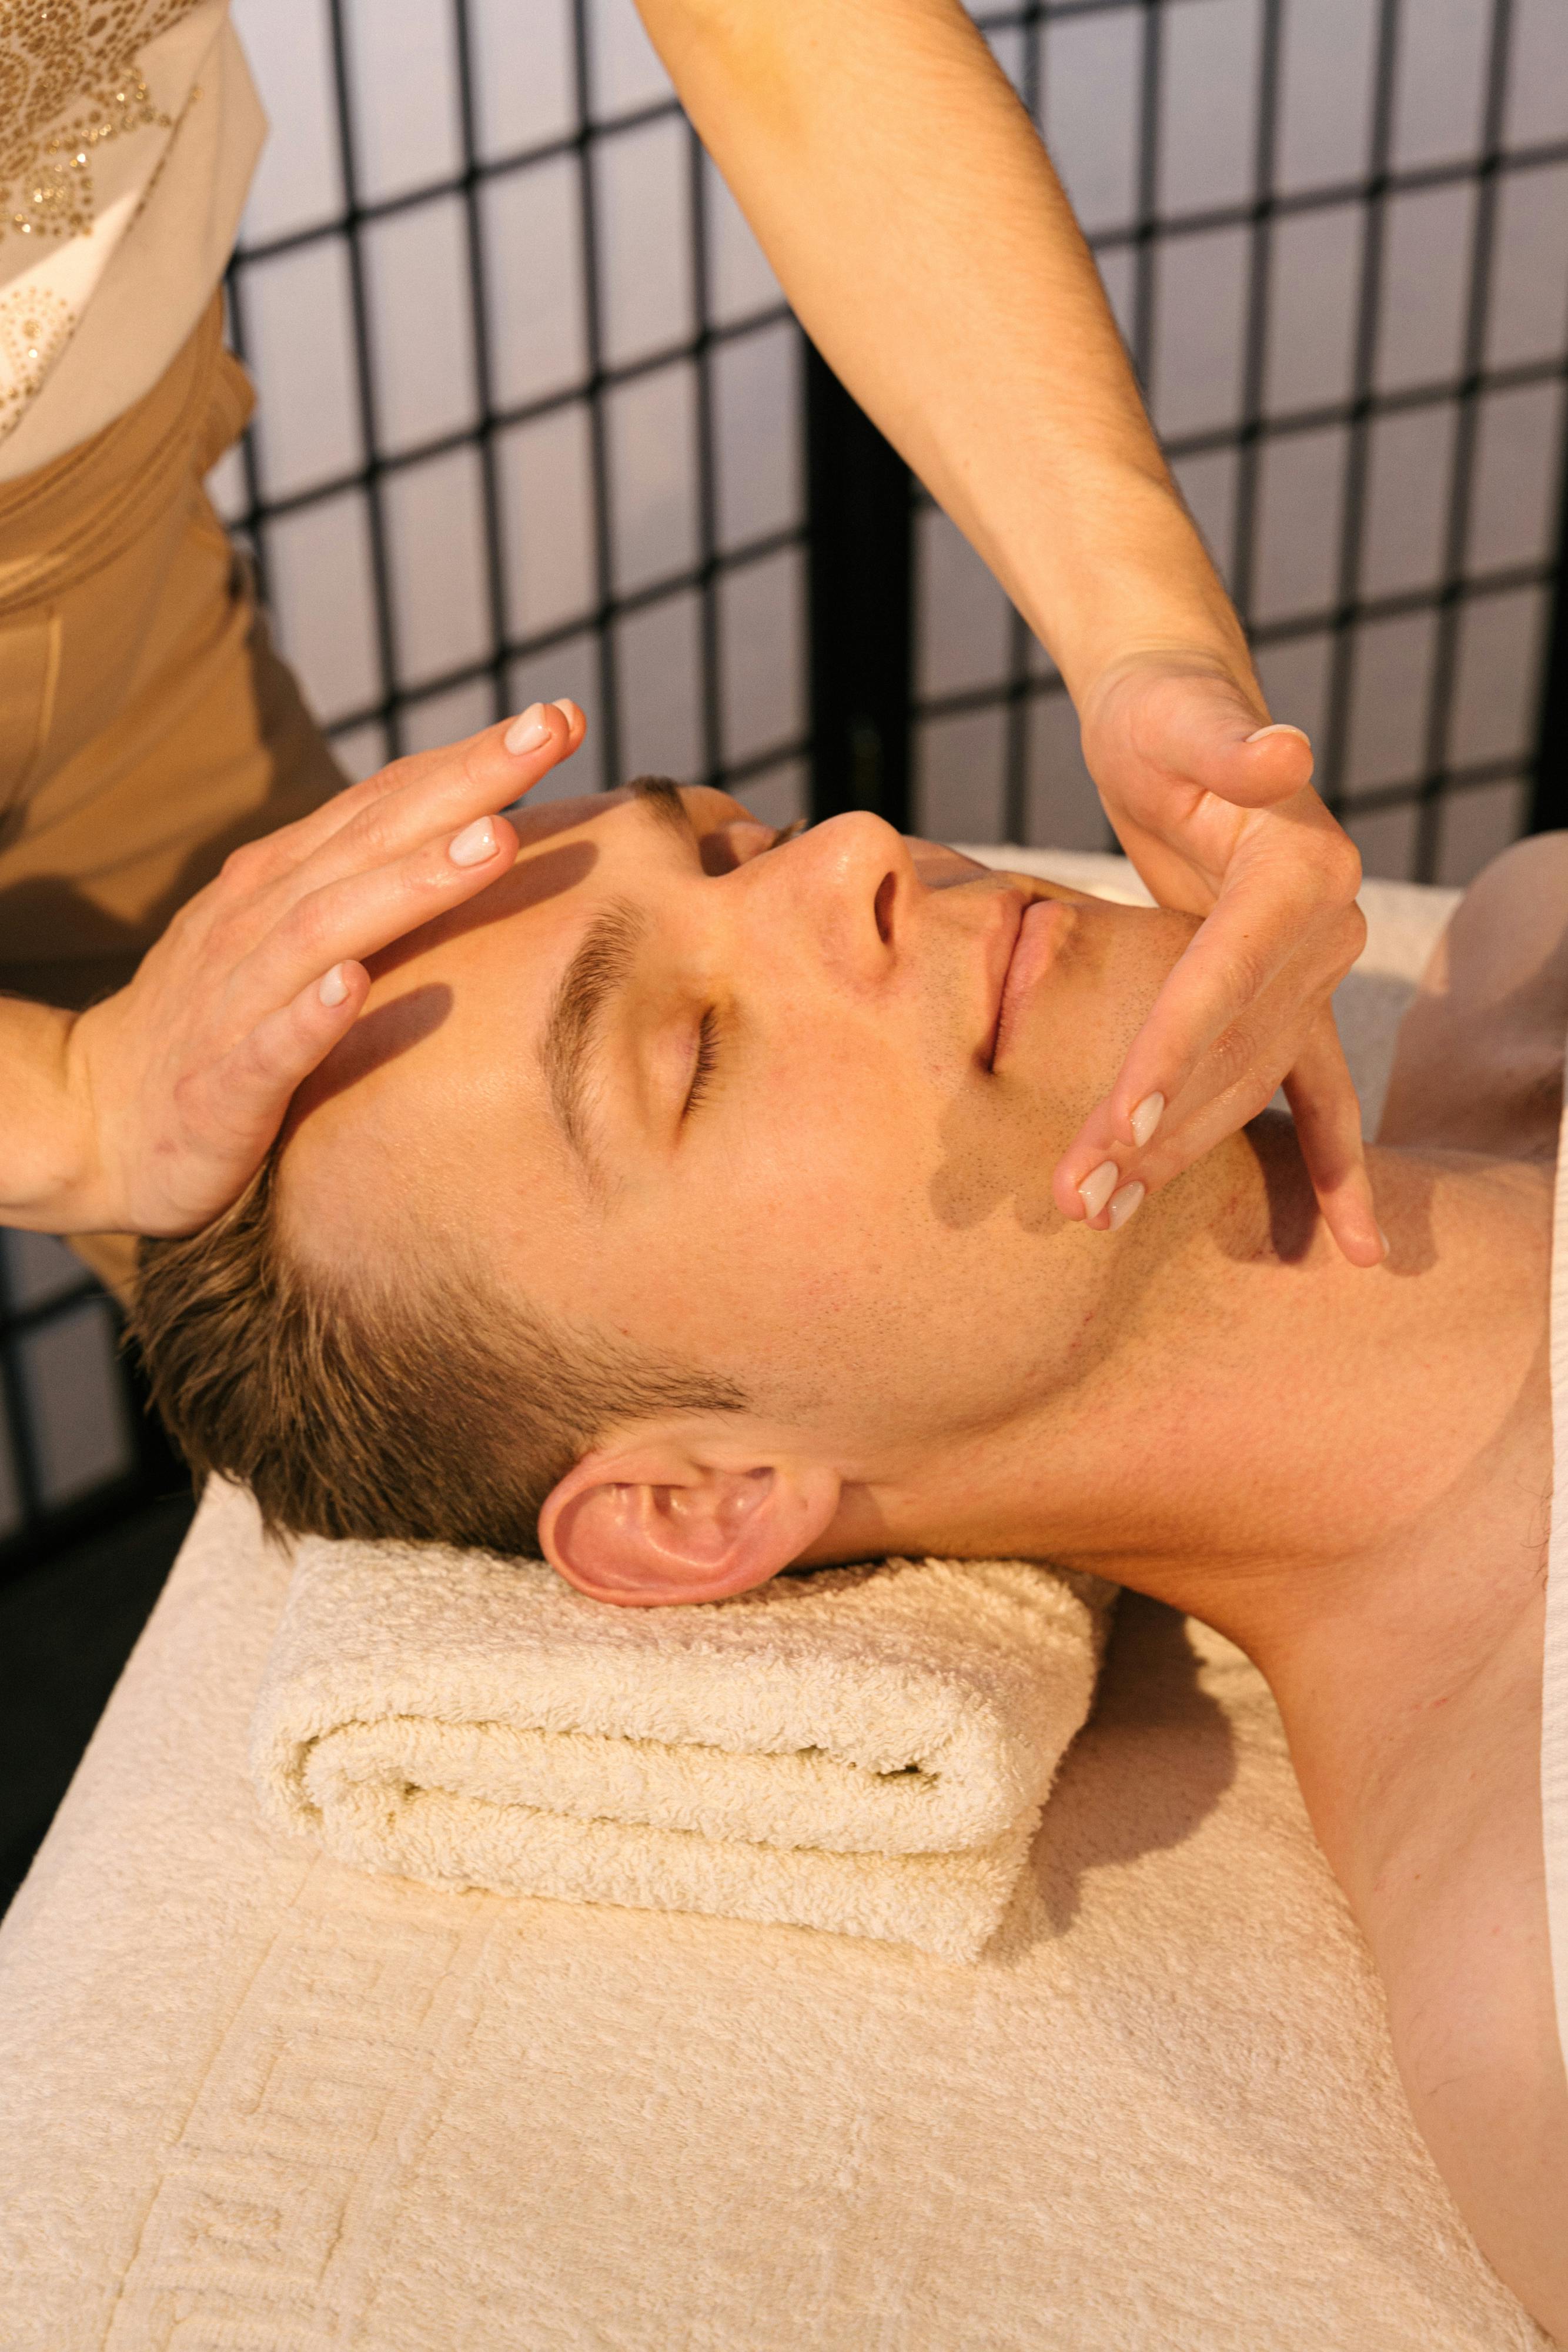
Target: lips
(1035, 941)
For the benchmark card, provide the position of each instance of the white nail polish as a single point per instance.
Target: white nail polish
(474, 843)
(1279, 727)
(1146, 1118)
(527, 732)
(334, 988)
(1124, 1203)
(1098, 1186)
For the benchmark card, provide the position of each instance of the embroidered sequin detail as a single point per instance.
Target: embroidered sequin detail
(68, 82)
(33, 325)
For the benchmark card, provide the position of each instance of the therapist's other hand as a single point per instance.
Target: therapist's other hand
(182, 1078)
(1214, 807)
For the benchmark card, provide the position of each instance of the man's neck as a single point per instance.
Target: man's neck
(1276, 1431)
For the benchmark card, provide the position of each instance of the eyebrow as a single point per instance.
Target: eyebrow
(661, 799)
(599, 968)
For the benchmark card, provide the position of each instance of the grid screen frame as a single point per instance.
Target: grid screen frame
(384, 723)
(1438, 778)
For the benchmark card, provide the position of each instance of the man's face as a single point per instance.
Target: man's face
(788, 1113)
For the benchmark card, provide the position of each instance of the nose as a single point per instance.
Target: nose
(849, 883)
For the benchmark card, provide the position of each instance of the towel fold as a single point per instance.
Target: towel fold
(864, 1750)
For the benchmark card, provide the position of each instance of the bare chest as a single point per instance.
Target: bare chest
(1420, 1762)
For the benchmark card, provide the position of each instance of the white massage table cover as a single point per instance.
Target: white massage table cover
(253, 2101)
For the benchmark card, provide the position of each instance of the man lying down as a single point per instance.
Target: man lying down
(681, 1207)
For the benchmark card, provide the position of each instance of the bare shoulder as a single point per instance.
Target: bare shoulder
(1458, 1926)
(1479, 1064)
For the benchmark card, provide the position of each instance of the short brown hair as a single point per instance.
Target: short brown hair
(428, 1406)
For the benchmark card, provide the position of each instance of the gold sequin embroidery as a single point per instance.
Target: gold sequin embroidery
(68, 82)
(34, 324)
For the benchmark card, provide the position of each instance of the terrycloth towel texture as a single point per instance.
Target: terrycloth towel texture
(251, 2098)
(254, 2100)
(864, 1748)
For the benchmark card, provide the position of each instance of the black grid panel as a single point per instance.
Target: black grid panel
(529, 423)
(1335, 235)
(74, 1441)
(529, 394)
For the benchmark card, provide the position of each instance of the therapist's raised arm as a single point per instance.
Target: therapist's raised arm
(917, 227)
(150, 1111)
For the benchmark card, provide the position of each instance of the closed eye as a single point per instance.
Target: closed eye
(707, 1055)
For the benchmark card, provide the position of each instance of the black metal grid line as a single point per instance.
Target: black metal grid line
(603, 377)
(15, 1322)
(476, 168)
(375, 509)
(1336, 727)
(473, 239)
(599, 618)
(1147, 223)
(708, 471)
(1260, 281)
(1451, 590)
(397, 689)
(43, 1525)
(1020, 644)
(604, 550)
(1258, 422)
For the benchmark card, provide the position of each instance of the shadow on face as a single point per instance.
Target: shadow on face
(794, 1152)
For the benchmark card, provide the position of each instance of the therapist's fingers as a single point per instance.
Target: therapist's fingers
(1235, 1081)
(355, 911)
(405, 853)
(422, 790)
(442, 793)
(1328, 1117)
(1276, 944)
(1327, 1113)
(231, 1098)
(416, 797)
(1158, 727)
(354, 897)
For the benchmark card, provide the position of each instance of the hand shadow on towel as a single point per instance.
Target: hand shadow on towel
(1155, 1758)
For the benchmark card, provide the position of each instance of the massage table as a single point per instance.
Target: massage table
(254, 2100)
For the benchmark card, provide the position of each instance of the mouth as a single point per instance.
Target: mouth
(1038, 926)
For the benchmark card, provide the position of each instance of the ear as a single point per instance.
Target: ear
(641, 1530)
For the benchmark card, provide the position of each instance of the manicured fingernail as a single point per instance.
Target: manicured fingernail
(527, 732)
(1279, 727)
(474, 843)
(1098, 1186)
(1124, 1203)
(334, 988)
(1146, 1118)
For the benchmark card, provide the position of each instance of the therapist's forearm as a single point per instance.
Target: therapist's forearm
(917, 225)
(46, 1153)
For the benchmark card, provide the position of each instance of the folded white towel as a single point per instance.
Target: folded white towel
(864, 1750)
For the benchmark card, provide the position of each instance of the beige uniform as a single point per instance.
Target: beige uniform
(146, 726)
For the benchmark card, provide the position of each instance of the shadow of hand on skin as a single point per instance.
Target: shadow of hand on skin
(1014, 1171)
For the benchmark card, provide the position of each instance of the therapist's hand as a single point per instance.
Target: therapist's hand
(181, 1079)
(1221, 821)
